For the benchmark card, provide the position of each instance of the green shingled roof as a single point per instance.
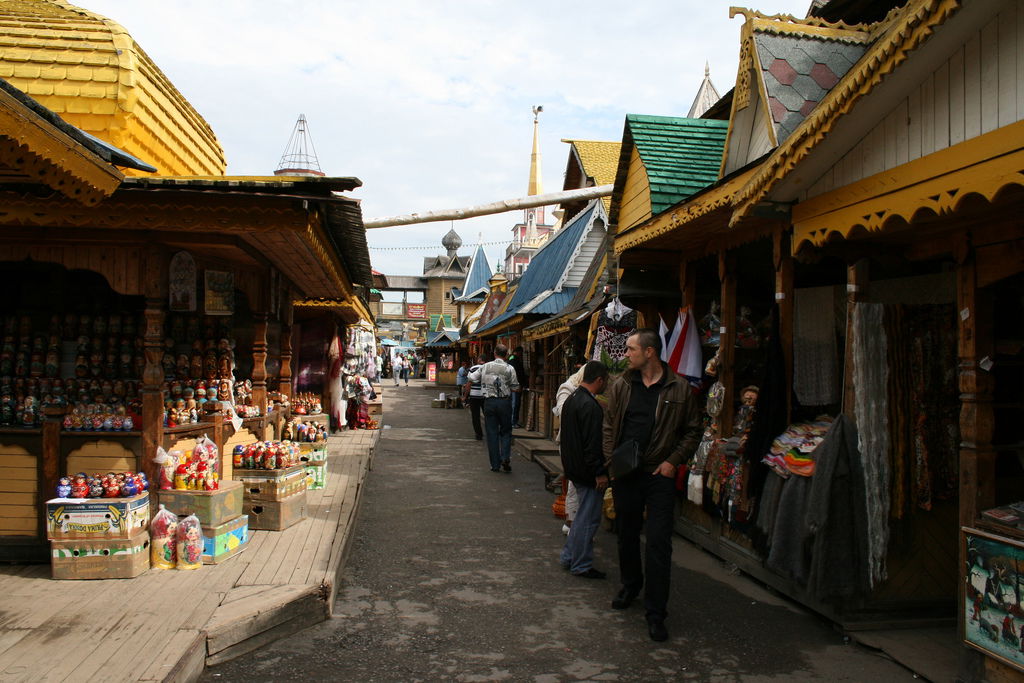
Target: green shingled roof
(682, 156)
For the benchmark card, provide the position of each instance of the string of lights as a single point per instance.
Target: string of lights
(434, 247)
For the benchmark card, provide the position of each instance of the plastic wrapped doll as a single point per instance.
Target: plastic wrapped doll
(163, 534)
(190, 543)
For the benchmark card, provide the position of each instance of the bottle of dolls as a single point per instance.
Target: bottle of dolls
(190, 543)
(163, 539)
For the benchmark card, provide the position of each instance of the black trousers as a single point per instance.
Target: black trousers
(632, 495)
(476, 403)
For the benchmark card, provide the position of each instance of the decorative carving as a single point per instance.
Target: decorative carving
(741, 97)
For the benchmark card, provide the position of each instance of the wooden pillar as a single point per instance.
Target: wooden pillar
(155, 269)
(977, 421)
(50, 464)
(259, 361)
(285, 383)
(726, 372)
(783, 260)
(688, 283)
(858, 279)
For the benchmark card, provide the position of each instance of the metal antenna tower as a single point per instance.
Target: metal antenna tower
(299, 156)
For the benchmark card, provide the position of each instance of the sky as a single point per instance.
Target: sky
(429, 102)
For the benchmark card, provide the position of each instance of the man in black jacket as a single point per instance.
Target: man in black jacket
(583, 463)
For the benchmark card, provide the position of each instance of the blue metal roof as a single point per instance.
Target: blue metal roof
(478, 277)
(545, 272)
(444, 338)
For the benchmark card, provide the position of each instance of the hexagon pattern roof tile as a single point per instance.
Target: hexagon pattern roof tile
(600, 160)
(798, 71)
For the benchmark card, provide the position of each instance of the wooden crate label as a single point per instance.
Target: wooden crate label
(86, 517)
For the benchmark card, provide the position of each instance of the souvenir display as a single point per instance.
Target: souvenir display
(199, 365)
(189, 543)
(307, 404)
(109, 485)
(243, 400)
(266, 455)
(195, 470)
(163, 534)
(87, 365)
(304, 432)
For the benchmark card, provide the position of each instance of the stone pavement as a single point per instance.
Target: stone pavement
(167, 625)
(453, 575)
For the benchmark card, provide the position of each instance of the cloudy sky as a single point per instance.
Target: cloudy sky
(428, 102)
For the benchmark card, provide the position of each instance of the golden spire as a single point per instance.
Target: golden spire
(535, 181)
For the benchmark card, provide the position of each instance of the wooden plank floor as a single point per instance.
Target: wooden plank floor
(83, 630)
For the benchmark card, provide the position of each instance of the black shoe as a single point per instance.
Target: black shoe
(506, 467)
(591, 574)
(480, 437)
(656, 629)
(495, 469)
(624, 599)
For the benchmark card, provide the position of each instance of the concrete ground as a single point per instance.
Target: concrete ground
(453, 575)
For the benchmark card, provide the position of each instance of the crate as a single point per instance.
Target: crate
(226, 540)
(213, 508)
(100, 558)
(316, 475)
(85, 518)
(310, 453)
(271, 485)
(277, 515)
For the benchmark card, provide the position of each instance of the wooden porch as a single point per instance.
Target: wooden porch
(167, 625)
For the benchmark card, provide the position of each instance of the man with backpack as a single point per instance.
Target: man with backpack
(499, 381)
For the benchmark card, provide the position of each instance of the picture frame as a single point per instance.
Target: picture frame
(992, 613)
(219, 293)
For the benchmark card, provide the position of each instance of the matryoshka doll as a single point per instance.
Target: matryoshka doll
(195, 363)
(181, 477)
(95, 488)
(190, 543)
(111, 489)
(237, 455)
(163, 533)
(79, 487)
(64, 487)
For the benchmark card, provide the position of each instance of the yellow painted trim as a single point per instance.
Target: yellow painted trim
(679, 216)
(51, 157)
(911, 27)
(936, 183)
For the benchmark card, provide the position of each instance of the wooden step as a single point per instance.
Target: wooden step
(252, 616)
(531, 448)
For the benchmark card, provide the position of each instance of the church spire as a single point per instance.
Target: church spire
(706, 97)
(535, 181)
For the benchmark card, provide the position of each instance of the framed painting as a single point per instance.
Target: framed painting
(992, 611)
(219, 293)
(182, 286)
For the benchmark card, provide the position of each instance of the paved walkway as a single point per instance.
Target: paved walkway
(166, 625)
(453, 575)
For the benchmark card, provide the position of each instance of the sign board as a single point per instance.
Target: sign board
(391, 308)
(416, 311)
(431, 372)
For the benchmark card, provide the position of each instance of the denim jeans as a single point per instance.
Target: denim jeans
(632, 495)
(578, 551)
(475, 405)
(498, 420)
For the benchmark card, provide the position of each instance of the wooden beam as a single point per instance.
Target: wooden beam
(727, 338)
(858, 279)
(155, 283)
(783, 261)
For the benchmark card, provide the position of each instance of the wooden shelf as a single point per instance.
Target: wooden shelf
(184, 429)
(82, 432)
(21, 430)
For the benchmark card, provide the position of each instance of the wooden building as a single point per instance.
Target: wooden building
(879, 177)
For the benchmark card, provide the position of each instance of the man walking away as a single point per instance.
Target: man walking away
(651, 406)
(396, 367)
(473, 394)
(516, 361)
(583, 464)
(499, 382)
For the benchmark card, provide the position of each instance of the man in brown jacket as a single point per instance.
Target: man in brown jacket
(654, 407)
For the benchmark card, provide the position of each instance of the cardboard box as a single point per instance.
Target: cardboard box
(277, 515)
(84, 518)
(316, 475)
(313, 452)
(226, 540)
(213, 508)
(100, 558)
(271, 485)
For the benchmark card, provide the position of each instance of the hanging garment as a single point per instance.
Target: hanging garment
(680, 348)
(871, 407)
(836, 520)
(615, 324)
(815, 356)
(788, 555)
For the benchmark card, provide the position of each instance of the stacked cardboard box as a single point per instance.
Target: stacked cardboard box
(274, 499)
(98, 538)
(225, 528)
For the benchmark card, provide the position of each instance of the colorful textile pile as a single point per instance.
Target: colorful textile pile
(792, 452)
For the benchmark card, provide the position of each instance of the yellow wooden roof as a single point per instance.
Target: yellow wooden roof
(90, 71)
(600, 161)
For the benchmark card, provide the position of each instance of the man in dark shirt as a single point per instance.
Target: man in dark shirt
(583, 463)
(654, 407)
(516, 361)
